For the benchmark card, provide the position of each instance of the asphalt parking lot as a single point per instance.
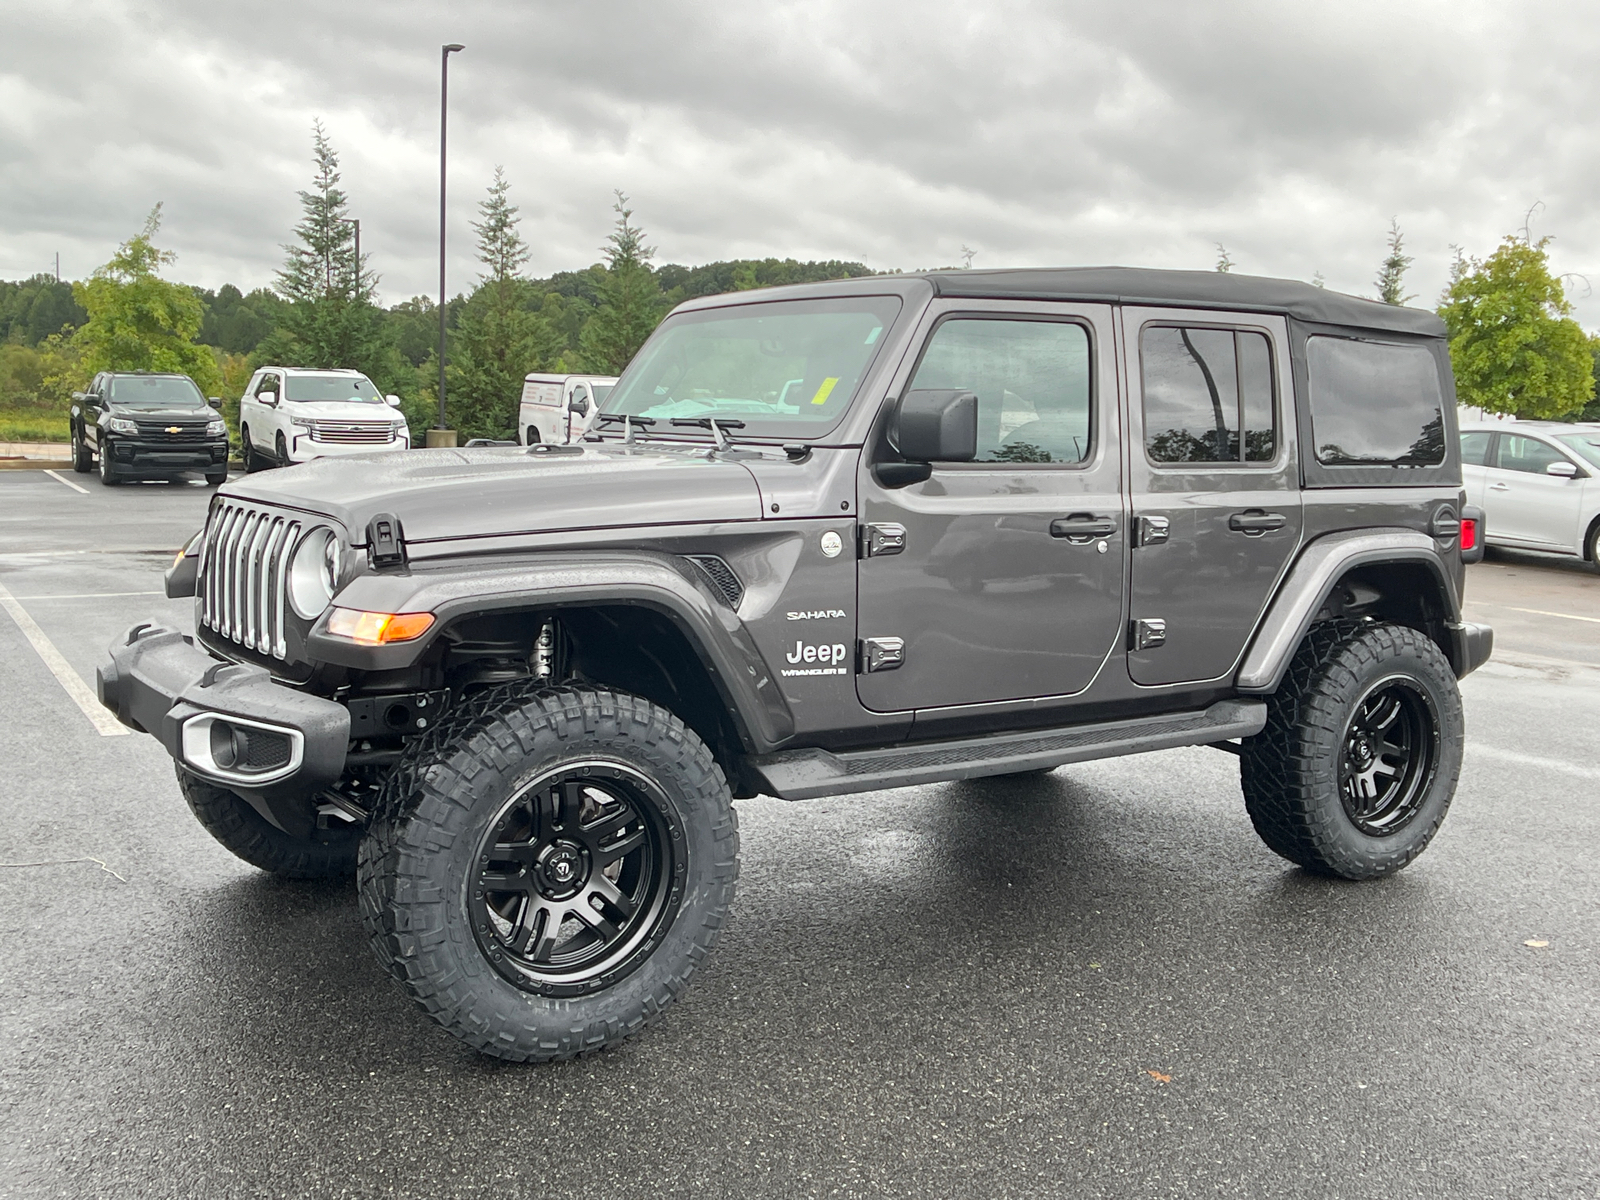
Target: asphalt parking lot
(1098, 983)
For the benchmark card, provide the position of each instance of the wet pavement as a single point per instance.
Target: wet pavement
(1097, 983)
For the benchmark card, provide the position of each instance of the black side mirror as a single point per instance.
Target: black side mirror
(580, 406)
(935, 426)
(214, 401)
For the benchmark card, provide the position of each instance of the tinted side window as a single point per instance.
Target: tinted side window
(1201, 388)
(1526, 454)
(1374, 403)
(1474, 448)
(1032, 383)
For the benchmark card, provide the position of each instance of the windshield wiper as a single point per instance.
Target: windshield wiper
(628, 422)
(715, 424)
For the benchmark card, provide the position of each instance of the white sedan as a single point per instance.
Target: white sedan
(1538, 483)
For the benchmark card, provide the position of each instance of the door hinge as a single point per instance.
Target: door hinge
(882, 654)
(882, 539)
(1152, 531)
(1147, 633)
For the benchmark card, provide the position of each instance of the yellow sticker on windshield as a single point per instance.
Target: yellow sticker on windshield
(825, 390)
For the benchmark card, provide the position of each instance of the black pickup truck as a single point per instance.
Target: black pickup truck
(147, 426)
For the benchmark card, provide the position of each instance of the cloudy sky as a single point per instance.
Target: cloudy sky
(893, 133)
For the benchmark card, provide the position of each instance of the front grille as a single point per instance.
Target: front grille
(244, 575)
(343, 433)
(161, 431)
(721, 576)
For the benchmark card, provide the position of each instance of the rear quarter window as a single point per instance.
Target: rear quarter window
(1374, 404)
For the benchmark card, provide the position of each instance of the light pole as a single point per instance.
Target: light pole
(444, 120)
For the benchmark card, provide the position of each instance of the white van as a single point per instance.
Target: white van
(559, 408)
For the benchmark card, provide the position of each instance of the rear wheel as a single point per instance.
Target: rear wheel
(1357, 765)
(546, 870)
(331, 853)
(82, 460)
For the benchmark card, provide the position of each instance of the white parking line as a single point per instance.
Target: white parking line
(105, 724)
(1560, 765)
(85, 595)
(68, 482)
(1539, 612)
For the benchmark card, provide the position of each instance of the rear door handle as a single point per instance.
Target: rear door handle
(1082, 527)
(1256, 522)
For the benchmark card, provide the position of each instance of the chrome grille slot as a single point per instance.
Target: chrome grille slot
(244, 575)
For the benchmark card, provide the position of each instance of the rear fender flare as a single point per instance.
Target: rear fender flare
(554, 581)
(1311, 581)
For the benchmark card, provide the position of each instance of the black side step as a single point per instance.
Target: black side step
(802, 774)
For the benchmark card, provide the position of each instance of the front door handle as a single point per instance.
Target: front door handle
(1499, 487)
(1255, 522)
(1080, 528)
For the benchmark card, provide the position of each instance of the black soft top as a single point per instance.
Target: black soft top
(1200, 289)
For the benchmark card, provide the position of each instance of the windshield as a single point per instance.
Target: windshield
(786, 369)
(351, 389)
(601, 391)
(156, 391)
(1586, 444)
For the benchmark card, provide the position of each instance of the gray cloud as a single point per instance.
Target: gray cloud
(1034, 132)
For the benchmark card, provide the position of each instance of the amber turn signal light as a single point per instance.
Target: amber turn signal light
(378, 629)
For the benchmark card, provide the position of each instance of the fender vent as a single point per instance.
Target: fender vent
(721, 577)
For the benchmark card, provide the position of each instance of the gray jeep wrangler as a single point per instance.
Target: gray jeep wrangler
(826, 539)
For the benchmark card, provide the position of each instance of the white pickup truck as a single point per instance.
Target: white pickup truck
(559, 408)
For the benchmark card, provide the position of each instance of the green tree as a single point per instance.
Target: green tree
(1391, 275)
(330, 319)
(498, 339)
(630, 299)
(138, 321)
(1224, 262)
(1513, 344)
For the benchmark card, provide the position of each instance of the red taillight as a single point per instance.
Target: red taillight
(1469, 533)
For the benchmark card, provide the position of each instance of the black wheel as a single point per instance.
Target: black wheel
(247, 452)
(1358, 763)
(533, 435)
(216, 478)
(82, 460)
(546, 870)
(330, 855)
(281, 448)
(108, 469)
(1592, 546)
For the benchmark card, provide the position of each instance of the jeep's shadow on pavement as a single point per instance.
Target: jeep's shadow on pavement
(819, 541)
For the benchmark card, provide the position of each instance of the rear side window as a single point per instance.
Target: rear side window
(1474, 448)
(1374, 404)
(1202, 387)
(1032, 383)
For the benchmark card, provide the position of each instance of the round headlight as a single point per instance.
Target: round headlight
(314, 572)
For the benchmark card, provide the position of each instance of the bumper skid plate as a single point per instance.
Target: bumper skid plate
(229, 723)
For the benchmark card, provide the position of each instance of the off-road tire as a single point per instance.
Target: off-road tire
(1290, 771)
(418, 863)
(82, 460)
(330, 855)
(108, 468)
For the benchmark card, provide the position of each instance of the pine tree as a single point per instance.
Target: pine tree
(331, 320)
(1224, 263)
(1391, 275)
(630, 298)
(498, 339)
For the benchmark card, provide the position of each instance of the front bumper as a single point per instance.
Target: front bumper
(134, 457)
(1473, 644)
(229, 723)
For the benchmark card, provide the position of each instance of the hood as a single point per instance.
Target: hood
(483, 492)
(341, 410)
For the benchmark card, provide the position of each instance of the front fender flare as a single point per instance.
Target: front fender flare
(558, 580)
(1310, 582)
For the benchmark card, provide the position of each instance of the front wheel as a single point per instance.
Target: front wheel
(1357, 765)
(533, 435)
(282, 448)
(108, 469)
(329, 854)
(546, 869)
(1593, 546)
(82, 460)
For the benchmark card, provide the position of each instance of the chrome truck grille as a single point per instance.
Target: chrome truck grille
(244, 575)
(347, 434)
